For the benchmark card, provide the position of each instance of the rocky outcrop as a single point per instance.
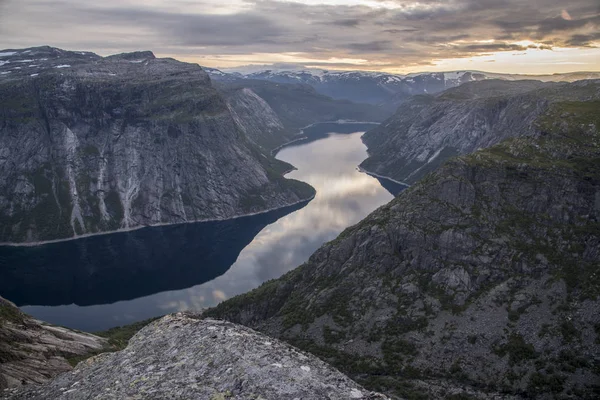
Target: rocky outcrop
(91, 144)
(481, 280)
(428, 130)
(183, 357)
(34, 352)
(257, 119)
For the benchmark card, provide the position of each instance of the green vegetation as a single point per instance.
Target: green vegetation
(333, 336)
(569, 332)
(543, 383)
(118, 338)
(114, 206)
(90, 151)
(252, 200)
(569, 362)
(9, 313)
(517, 349)
(460, 396)
(400, 325)
(274, 292)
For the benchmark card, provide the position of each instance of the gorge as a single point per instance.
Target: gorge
(480, 280)
(99, 282)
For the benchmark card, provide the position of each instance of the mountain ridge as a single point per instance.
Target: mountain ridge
(427, 130)
(93, 144)
(384, 89)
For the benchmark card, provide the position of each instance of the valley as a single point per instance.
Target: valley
(424, 236)
(99, 282)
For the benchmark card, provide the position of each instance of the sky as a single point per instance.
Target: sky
(397, 36)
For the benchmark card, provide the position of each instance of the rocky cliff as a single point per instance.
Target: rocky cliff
(428, 130)
(34, 352)
(480, 281)
(91, 144)
(183, 357)
(271, 114)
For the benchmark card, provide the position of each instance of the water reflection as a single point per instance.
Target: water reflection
(127, 265)
(344, 197)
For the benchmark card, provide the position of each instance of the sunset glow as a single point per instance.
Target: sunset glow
(393, 35)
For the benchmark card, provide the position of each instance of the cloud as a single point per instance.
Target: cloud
(372, 46)
(348, 22)
(583, 40)
(400, 33)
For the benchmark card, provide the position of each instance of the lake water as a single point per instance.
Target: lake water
(103, 281)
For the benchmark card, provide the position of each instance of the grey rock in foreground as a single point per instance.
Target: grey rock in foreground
(34, 352)
(182, 357)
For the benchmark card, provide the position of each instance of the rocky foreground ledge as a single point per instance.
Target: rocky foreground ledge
(183, 357)
(33, 351)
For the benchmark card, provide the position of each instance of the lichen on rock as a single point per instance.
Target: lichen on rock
(181, 356)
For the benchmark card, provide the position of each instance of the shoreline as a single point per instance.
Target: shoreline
(373, 174)
(273, 153)
(276, 149)
(122, 230)
(339, 121)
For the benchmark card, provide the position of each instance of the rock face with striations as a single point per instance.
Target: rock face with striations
(32, 351)
(91, 144)
(481, 280)
(427, 130)
(183, 357)
(271, 114)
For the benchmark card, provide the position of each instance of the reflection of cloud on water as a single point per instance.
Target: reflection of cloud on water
(344, 197)
(192, 301)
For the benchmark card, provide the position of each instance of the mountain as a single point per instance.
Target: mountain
(387, 90)
(360, 87)
(180, 356)
(34, 352)
(427, 130)
(271, 114)
(91, 144)
(479, 281)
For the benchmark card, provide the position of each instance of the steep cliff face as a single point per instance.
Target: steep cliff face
(183, 357)
(428, 130)
(482, 278)
(34, 352)
(91, 144)
(271, 114)
(257, 119)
